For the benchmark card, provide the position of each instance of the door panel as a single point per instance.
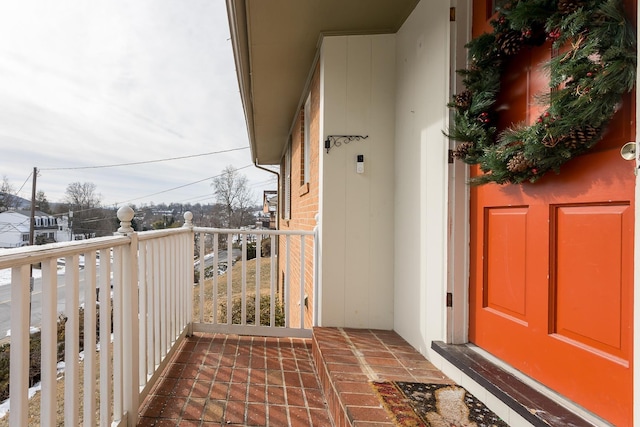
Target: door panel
(504, 261)
(588, 306)
(551, 285)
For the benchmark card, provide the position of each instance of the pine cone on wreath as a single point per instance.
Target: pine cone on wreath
(569, 6)
(518, 163)
(509, 42)
(462, 150)
(580, 136)
(463, 100)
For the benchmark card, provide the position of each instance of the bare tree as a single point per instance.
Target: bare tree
(8, 198)
(87, 217)
(82, 195)
(231, 191)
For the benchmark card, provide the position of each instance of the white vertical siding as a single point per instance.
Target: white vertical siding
(421, 174)
(333, 95)
(357, 91)
(382, 173)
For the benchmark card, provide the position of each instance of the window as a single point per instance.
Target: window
(281, 292)
(305, 166)
(286, 184)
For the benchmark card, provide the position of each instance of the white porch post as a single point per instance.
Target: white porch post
(317, 292)
(19, 353)
(188, 223)
(130, 322)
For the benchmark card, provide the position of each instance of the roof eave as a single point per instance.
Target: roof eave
(237, 15)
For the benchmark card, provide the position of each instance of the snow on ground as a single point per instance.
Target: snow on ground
(5, 274)
(4, 406)
(32, 330)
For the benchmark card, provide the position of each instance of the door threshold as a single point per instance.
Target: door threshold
(529, 399)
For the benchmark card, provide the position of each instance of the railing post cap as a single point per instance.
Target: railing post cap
(125, 215)
(188, 219)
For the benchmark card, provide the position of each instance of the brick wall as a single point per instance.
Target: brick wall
(304, 207)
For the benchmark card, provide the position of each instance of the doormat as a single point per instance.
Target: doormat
(434, 405)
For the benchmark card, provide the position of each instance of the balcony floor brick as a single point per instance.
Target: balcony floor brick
(229, 380)
(325, 381)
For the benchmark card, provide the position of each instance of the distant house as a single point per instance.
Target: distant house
(262, 220)
(270, 208)
(14, 228)
(64, 231)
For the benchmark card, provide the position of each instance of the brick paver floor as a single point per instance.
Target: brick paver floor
(230, 380)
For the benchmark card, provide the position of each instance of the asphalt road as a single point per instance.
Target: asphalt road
(36, 302)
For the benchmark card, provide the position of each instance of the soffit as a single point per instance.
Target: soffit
(275, 44)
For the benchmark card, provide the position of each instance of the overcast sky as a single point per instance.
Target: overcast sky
(118, 81)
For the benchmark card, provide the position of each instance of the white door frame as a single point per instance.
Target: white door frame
(458, 239)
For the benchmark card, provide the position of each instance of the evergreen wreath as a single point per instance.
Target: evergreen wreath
(595, 66)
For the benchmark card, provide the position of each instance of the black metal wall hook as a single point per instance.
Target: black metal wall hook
(338, 140)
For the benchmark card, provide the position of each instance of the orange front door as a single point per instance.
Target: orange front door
(551, 287)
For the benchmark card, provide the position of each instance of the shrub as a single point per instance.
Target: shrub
(266, 247)
(265, 307)
(208, 273)
(251, 250)
(4, 371)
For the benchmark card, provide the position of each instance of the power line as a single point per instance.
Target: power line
(264, 182)
(144, 162)
(180, 186)
(24, 183)
(200, 197)
(211, 195)
(150, 195)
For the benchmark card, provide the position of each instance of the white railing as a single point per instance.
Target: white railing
(149, 278)
(286, 290)
(165, 305)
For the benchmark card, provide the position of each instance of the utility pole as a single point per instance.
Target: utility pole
(33, 208)
(32, 225)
